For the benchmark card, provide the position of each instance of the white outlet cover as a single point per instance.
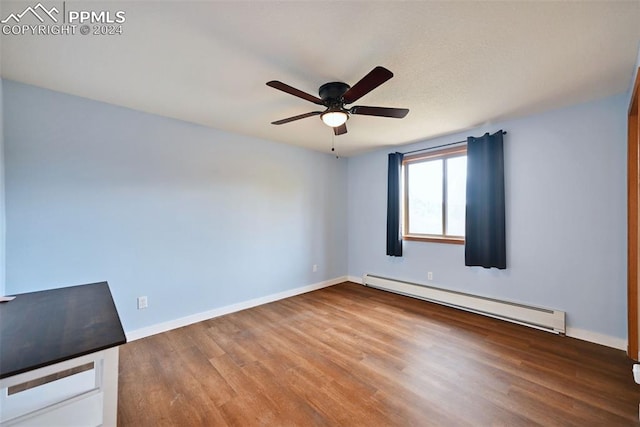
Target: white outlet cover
(142, 302)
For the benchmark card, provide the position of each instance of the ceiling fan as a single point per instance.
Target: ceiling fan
(335, 95)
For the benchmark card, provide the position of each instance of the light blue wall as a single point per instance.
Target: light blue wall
(566, 218)
(635, 72)
(191, 217)
(633, 78)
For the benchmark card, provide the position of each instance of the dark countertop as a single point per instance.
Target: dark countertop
(42, 328)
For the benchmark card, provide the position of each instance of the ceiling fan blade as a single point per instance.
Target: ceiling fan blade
(375, 78)
(396, 113)
(298, 117)
(340, 130)
(295, 92)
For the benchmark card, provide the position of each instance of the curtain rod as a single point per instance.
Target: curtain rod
(504, 132)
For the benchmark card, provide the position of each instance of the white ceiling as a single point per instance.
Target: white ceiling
(457, 65)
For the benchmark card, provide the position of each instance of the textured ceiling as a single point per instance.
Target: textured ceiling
(457, 65)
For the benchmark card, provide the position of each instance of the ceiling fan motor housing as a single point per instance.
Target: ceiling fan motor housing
(332, 92)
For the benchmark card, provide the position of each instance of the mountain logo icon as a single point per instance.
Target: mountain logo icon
(38, 11)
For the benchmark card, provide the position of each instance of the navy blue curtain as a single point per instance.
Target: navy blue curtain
(394, 233)
(485, 242)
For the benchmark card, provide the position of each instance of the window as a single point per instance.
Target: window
(434, 195)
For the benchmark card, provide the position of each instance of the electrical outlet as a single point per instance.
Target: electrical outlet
(142, 303)
(430, 275)
(314, 268)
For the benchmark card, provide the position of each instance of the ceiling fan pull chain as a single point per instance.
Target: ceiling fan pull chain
(333, 145)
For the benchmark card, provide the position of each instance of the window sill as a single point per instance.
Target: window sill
(435, 239)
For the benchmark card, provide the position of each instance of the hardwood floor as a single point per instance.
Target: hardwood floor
(355, 356)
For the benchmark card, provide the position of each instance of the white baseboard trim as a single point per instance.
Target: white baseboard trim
(220, 311)
(581, 334)
(597, 338)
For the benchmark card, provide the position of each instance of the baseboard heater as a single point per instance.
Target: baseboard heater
(535, 317)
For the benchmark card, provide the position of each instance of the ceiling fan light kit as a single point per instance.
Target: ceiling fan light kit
(335, 95)
(334, 118)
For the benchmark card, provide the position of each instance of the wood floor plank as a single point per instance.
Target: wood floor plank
(349, 355)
